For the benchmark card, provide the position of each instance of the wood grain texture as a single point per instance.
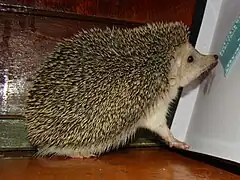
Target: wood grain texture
(129, 164)
(134, 10)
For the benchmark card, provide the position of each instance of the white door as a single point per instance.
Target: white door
(208, 118)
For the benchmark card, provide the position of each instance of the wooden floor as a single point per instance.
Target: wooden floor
(144, 164)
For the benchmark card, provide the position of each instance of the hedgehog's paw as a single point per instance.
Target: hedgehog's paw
(178, 144)
(79, 156)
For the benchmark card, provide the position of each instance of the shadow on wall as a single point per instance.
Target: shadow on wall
(205, 83)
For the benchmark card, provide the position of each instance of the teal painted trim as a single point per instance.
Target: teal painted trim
(231, 48)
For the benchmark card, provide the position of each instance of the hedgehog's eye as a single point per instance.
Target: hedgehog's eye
(190, 59)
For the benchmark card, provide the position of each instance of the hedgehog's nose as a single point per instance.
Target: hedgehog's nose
(215, 56)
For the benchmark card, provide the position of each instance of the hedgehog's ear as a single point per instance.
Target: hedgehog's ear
(175, 70)
(178, 62)
(177, 57)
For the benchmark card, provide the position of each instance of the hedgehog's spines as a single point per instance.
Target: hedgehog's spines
(95, 86)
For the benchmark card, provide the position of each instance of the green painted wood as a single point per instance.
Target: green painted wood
(13, 135)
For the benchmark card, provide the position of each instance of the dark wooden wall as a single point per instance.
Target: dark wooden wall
(134, 10)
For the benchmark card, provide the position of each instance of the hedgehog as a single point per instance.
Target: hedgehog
(98, 87)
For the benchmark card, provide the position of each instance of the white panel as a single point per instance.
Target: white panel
(215, 124)
(186, 104)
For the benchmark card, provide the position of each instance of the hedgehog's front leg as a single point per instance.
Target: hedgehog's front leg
(163, 131)
(166, 134)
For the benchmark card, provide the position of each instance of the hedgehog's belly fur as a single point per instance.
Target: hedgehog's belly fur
(155, 117)
(92, 150)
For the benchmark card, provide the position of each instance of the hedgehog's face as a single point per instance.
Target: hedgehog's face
(191, 64)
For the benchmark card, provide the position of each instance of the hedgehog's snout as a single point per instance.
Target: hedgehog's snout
(215, 62)
(215, 56)
(209, 68)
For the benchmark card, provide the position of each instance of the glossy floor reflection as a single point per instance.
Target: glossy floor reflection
(146, 164)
